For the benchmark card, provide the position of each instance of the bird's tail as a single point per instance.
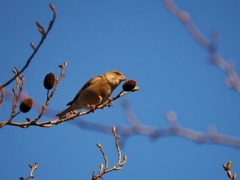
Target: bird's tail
(64, 112)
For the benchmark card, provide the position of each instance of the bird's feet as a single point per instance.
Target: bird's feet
(92, 107)
(74, 112)
(109, 103)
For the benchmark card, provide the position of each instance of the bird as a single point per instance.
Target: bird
(94, 92)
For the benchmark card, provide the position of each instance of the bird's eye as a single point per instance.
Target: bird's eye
(117, 73)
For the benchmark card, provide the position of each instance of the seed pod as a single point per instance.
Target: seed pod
(129, 85)
(49, 81)
(26, 105)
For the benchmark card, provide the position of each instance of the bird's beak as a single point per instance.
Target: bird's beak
(122, 79)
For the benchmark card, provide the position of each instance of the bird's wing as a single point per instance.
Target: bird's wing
(87, 84)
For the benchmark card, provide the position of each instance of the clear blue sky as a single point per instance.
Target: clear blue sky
(144, 41)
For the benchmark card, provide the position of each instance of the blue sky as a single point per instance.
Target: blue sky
(144, 41)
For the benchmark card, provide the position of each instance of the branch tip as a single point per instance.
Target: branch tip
(99, 145)
(52, 7)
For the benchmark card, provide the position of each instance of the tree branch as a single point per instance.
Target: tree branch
(58, 121)
(119, 165)
(227, 168)
(31, 172)
(174, 129)
(20, 82)
(233, 79)
(35, 50)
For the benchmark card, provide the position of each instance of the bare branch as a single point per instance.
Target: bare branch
(31, 172)
(16, 95)
(233, 79)
(119, 165)
(58, 121)
(49, 97)
(44, 35)
(20, 82)
(174, 129)
(227, 168)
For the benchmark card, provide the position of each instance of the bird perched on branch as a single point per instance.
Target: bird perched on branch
(95, 92)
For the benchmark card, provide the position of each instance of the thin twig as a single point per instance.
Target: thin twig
(117, 146)
(31, 172)
(233, 79)
(16, 95)
(119, 164)
(44, 35)
(104, 157)
(227, 167)
(52, 93)
(2, 96)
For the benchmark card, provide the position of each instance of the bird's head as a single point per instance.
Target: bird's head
(115, 77)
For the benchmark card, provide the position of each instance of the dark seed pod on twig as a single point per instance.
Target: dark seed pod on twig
(49, 81)
(26, 105)
(129, 85)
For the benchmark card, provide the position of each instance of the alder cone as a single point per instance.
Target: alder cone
(129, 85)
(26, 105)
(49, 81)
